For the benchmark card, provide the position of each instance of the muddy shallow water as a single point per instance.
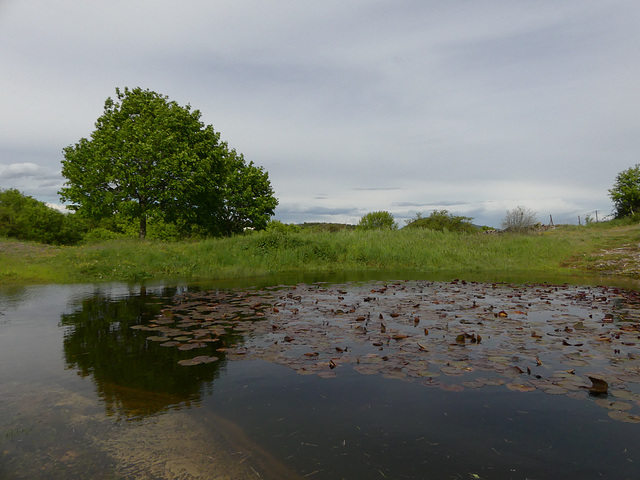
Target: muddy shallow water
(355, 380)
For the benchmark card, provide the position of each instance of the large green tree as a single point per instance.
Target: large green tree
(625, 192)
(244, 199)
(149, 157)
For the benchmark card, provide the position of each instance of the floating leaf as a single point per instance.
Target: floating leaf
(188, 362)
(520, 387)
(555, 390)
(182, 338)
(603, 402)
(191, 346)
(625, 394)
(598, 386)
(451, 387)
(305, 371)
(451, 371)
(206, 359)
(157, 338)
(624, 417)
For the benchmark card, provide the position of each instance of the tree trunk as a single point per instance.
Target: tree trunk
(143, 226)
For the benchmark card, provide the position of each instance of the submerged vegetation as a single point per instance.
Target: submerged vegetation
(288, 249)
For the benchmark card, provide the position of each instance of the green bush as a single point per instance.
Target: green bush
(377, 221)
(100, 234)
(26, 218)
(278, 226)
(442, 220)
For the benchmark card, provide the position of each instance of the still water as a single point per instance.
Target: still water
(85, 396)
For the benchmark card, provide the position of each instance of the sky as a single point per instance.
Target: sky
(475, 107)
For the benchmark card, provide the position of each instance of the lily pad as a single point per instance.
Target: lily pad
(624, 417)
(156, 338)
(520, 387)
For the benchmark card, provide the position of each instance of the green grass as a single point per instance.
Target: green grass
(562, 251)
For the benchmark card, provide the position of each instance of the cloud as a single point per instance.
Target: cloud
(57, 206)
(34, 180)
(19, 170)
(405, 107)
(434, 205)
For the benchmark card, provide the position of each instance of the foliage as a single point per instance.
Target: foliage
(625, 192)
(99, 234)
(326, 227)
(244, 198)
(304, 253)
(150, 159)
(26, 218)
(442, 220)
(519, 219)
(278, 226)
(377, 221)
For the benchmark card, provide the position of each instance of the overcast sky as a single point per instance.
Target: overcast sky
(351, 106)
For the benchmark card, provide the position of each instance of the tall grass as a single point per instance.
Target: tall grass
(270, 252)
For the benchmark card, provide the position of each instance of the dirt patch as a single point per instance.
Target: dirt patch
(624, 260)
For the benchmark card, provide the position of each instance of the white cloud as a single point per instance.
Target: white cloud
(34, 180)
(491, 104)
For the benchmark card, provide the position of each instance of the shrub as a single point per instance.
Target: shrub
(519, 219)
(278, 226)
(377, 221)
(26, 218)
(442, 220)
(100, 234)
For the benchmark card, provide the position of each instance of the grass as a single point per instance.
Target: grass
(565, 250)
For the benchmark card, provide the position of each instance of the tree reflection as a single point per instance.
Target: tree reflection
(135, 377)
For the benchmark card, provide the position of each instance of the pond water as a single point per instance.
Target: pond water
(363, 379)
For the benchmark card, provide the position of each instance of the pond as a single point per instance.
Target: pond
(351, 378)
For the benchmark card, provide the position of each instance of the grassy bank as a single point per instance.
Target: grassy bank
(561, 251)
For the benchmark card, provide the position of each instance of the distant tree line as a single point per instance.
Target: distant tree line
(26, 218)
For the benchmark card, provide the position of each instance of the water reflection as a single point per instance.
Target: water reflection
(264, 418)
(134, 377)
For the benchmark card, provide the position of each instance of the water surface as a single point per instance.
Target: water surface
(84, 395)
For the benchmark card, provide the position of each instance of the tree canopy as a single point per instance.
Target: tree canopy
(625, 192)
(150, 158)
